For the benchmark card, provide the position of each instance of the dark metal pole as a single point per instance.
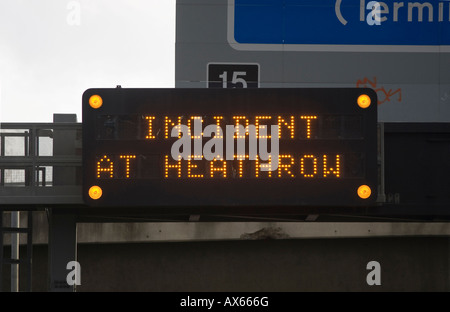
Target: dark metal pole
(15, 244)
(62, 249)
(62, 225)
(1, 251)
(30, 251)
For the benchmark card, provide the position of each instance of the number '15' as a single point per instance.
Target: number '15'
(237, 78)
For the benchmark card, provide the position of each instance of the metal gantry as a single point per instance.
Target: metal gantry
(40, 166)
(29, 174)
(15, 260)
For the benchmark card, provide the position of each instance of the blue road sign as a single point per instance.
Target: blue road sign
(340, 24)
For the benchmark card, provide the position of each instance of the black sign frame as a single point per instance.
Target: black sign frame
(229, 193)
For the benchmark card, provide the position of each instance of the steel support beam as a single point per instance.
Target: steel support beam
(62, 249)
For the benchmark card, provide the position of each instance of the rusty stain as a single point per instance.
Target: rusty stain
(266, 233)
(383, 94)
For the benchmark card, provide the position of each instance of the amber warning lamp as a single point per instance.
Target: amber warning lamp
(95, 101)
(95, 192)
(364, 191)
(363, 101)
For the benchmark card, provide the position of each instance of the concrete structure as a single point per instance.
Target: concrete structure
(241, 256)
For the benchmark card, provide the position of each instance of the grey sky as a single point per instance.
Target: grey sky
(53, 50)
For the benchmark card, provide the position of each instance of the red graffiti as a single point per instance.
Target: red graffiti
(383, 94)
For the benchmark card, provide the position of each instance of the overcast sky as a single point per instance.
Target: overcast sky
(53, 50)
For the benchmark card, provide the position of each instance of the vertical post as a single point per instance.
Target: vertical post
(448, 266)
(63, 145)
(2, 153)
(381, 163)
(62, 249)
(30, 251)
(1, 250)
(15, 241)
(32, 153)
(62, 225)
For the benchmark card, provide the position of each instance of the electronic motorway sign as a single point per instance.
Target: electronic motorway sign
(230, 147)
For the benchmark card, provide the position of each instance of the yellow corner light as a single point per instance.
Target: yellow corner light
(95, 192)
(364, 191)
(363, 101)
(95, 101)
